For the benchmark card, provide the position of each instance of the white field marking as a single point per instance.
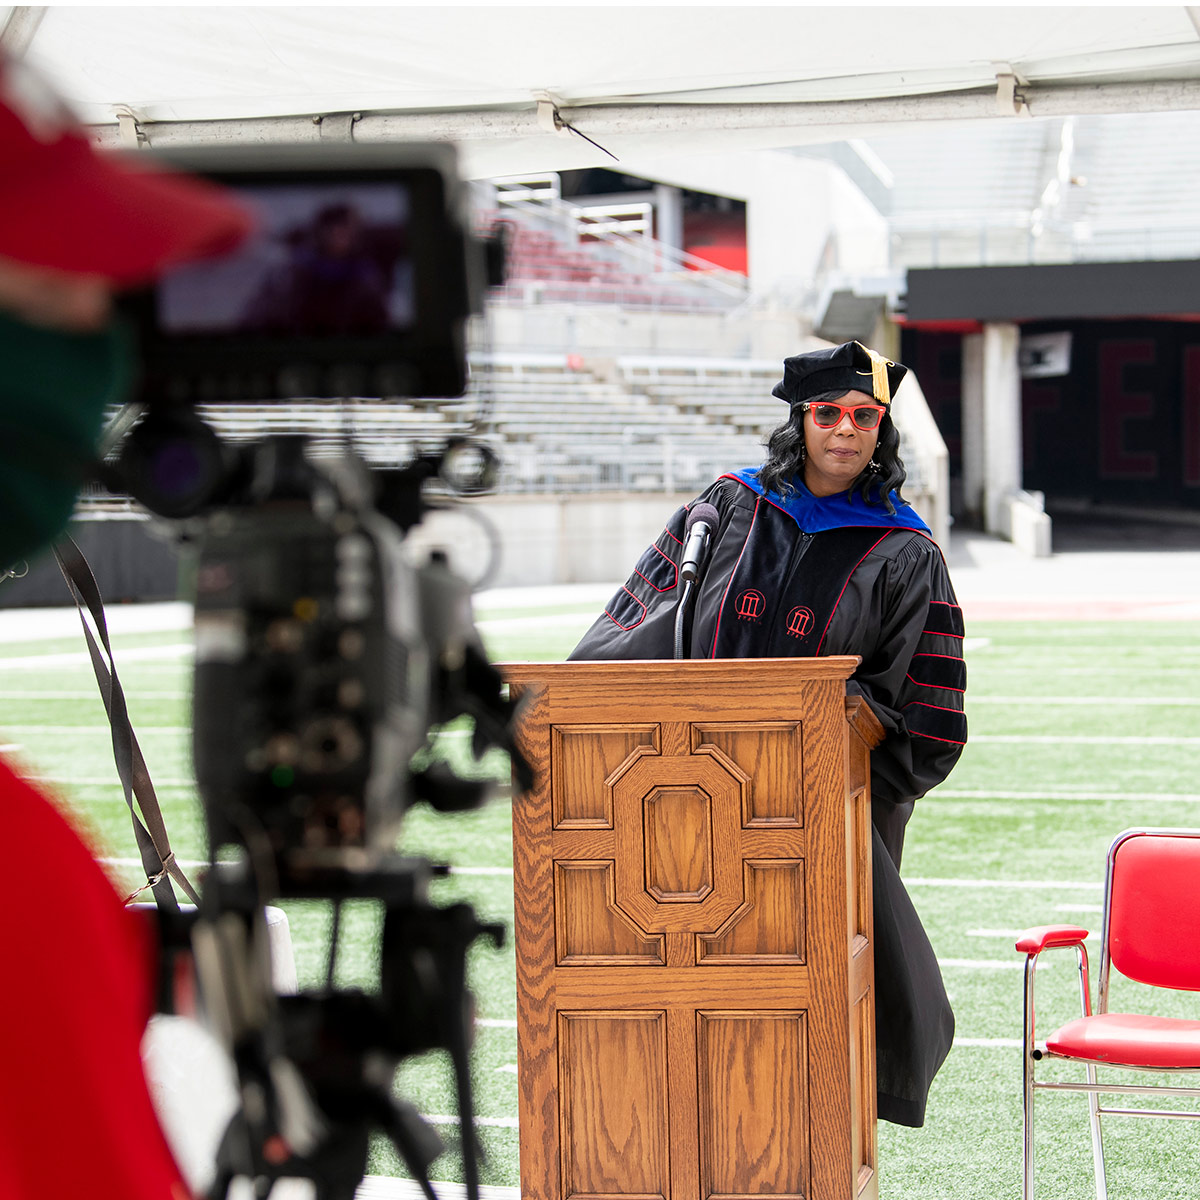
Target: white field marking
(89, 694)
(452, 1119)
(990, 1043)
(1079, 908)
(105, 780)
(976, 643)
(508, 1068)
(31, 625)
(176, 730)
(1084, 739)
(75, 658)
(11, 747)
(1107, 701)
(1011, 934)
(188, 864)
(1027, 885)
(495, 1023)
(385, 1187)
(1064, 645)
(1071, 794)
(1104, 669)
(987, 964)
(456, 734)
(551, 621)
(453, 734)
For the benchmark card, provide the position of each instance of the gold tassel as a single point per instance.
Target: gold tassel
(879, 374)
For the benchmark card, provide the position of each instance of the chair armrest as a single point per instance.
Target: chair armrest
(1045, 937)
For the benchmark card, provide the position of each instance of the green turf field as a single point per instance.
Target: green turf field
(1078, 730)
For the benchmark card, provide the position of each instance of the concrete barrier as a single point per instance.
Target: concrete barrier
(1029, 525)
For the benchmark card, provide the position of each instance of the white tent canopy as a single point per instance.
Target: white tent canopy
(639, 80)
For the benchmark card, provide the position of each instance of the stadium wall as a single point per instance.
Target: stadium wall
(592, 538)
(130, 563)
(539, 540)
(597, 328)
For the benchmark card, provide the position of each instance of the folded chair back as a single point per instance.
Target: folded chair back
(1152, 929)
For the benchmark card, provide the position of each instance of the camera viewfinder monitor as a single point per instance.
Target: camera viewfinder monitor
(357, 281)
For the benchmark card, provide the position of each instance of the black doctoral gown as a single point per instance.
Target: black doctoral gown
(800, 577)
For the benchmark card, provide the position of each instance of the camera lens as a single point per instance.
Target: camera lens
(174, 464)
(469, 468)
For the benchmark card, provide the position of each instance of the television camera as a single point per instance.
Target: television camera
(326, 649)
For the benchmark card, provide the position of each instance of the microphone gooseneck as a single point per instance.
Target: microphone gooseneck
(701, 522)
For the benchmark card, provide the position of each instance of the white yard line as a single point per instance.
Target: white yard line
(1083, 739)
(1098, 701)
(81, 658)
(103, 780)
(188, 864)
(944, 793)
(998, 739)
(550, 621)
(89, 694)
(33, 624)
(142, 730)
(1010, 934)
(383, 1187)
(453, 1119)
(987, 964)
(192, 863)
(1028, 885)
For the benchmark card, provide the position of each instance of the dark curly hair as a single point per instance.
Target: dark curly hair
(786, 454)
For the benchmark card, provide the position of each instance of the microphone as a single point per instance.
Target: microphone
(701, 521)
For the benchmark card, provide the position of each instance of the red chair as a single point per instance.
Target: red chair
(1151, 933)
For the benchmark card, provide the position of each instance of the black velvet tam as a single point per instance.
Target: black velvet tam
(850, 367)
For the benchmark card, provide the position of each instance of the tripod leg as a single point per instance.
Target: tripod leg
(417, 1144)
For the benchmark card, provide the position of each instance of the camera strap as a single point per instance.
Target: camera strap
(149, 829)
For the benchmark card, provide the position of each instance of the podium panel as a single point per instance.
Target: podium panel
(695, 1014)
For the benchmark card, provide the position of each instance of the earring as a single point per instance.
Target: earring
(803, 453)
(874, 466)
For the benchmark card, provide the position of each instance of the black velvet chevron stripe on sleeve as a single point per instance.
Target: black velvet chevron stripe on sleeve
(934, 721)
(625, 610)
(944, 618)
(655, 573)
(937, 678)
(938, 671)
(659, 571)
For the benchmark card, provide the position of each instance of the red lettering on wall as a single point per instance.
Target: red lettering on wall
(1191, 417)
(1118, 407)
(1036, 398)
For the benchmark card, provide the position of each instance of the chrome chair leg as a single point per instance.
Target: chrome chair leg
(1097, 1143)
(1027, 1132)
(1027, 1088)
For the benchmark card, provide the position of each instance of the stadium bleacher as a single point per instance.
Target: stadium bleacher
(559, 426)
(567, 422)
(558, 422)
(664, 423)
(552, 263)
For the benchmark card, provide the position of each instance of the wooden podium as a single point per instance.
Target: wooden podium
(692, 874)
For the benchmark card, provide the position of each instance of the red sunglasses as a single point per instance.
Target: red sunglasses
(829, 416)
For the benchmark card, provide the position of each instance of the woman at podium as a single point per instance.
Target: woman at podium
(815, 552)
